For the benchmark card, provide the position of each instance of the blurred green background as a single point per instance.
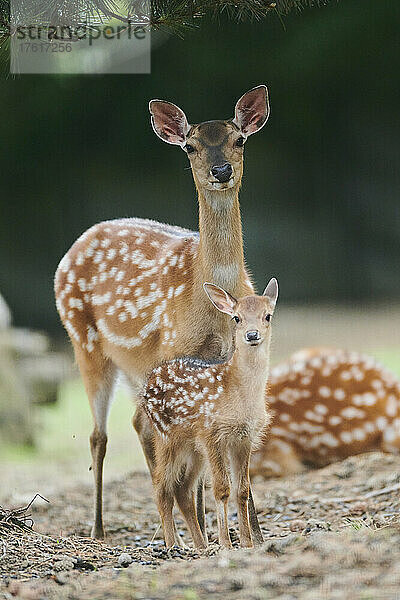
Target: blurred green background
(320, 197)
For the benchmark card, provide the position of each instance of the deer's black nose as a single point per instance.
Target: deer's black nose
(222, 172)
(252, 336)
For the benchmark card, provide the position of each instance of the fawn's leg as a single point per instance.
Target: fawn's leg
(184, 494)
(254, 524)
(240, 466)
(163, 482)
(165, 502)
(98, 374)
(146, 433)
(221, 488)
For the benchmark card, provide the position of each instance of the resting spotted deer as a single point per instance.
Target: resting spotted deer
(328, 404)
(129, 291)
(210, 413)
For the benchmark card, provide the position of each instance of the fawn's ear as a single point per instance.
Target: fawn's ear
(221, 299)
(252, 110)
(169, 122)
(271, 291)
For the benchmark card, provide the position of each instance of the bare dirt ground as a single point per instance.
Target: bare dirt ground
(332, 533)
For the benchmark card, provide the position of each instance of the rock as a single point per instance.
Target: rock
(358, 508)
(85, 565)
(5, 314)
(317, 524)
(61, 578)
(297, 525)
(124, 559)
(236, 584)
(65, 564)
(379, 521)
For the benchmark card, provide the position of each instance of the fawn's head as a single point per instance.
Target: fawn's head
(214, 148)
(251, 315)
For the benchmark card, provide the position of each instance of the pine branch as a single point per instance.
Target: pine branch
(173, 16)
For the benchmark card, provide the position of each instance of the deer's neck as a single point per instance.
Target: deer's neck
(220, 257)
(251, 366)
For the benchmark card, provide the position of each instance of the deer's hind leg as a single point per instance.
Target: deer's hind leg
(147, 438)
(185, 490)
(201, 507)
(163, 482)
(98, 374)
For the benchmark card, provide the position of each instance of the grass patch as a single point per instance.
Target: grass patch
(63, 431)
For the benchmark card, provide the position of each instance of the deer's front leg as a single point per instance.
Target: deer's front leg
(240, 464)
(221, 489)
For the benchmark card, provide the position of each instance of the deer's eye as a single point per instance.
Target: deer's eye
(268, 317)
(236, 319)
(239, 142)
(189, 149)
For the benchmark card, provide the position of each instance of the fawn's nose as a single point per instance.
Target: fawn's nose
(252, 336)
(222, 172)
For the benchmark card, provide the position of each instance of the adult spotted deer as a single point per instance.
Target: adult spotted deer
(328, 404)
(129, 291)
(215, 414)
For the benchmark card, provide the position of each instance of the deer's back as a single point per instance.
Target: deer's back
(190, 398)
(333, 405)
(120, 287)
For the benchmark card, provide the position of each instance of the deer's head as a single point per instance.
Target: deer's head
(251, 315)
(214, 148)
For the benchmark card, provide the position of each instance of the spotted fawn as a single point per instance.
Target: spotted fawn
(129, 291)
(328, 404)
(213, 414)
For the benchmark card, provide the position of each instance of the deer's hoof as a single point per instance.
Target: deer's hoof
(97, 533)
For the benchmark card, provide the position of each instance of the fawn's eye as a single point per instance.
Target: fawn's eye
(189, 149)
(239, 142)
(268, 317)
(236, 319)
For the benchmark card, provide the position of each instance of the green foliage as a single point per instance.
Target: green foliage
(172, 15)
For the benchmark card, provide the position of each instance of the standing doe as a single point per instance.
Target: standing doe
(328, 404)
(212, 413)
(129, 291)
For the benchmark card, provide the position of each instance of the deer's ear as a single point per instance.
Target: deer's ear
(220, 298)
(271, 291)
(252, 110)
(169, 122)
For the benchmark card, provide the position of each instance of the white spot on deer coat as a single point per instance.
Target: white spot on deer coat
(324, 391)
(76, 303)
(100, 299)
(350, 412)
(117, 340)
(312, 416)
(179, 289)
(339, 394)
(381, 423)
(391, 406)
(346, 437)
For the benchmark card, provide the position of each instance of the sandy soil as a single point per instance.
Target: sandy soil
(332, 533)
